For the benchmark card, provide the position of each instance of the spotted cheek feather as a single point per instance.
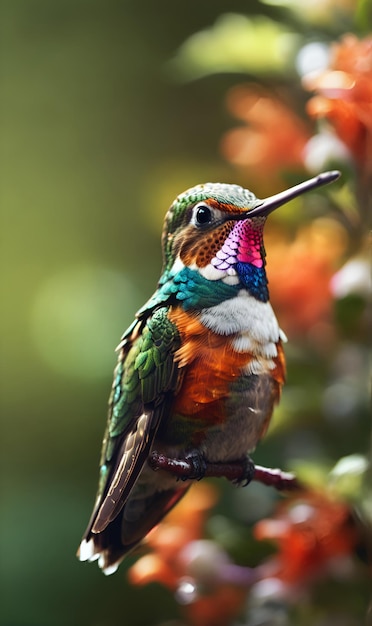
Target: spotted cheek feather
(199, 251)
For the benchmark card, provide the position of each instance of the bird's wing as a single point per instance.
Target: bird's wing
(145, 380)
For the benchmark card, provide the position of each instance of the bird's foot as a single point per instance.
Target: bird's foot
(195, 467)
(191, 467)
(248, 470)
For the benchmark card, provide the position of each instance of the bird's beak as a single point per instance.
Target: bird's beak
(273, 202)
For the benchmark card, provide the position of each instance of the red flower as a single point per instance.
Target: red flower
(273, 139)
(299, 277)
(310, 532)
(218, 609)
(181, 526)
(190, 567)
(344, 96)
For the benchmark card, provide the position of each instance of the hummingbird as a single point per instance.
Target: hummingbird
(199, 370)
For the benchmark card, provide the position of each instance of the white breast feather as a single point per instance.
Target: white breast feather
(228, 276)
(210, 272)
(243, 314)
(253, 324)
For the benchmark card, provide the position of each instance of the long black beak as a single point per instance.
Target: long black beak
(273, 202)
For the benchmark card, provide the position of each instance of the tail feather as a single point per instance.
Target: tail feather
(127, 530)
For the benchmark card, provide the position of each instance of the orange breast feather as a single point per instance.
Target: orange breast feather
(210, 365)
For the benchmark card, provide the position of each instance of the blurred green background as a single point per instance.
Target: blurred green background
(97, 137)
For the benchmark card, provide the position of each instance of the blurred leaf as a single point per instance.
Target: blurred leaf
(330, 14)
(363, 16)
(347, 476)
(236, 43)
(311, 474)
(348, 312)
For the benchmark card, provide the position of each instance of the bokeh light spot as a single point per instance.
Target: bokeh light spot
(78, 317)
(313, 57)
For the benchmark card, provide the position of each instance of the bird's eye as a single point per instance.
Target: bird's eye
(203, 215)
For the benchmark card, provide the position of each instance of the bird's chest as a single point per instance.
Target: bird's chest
(231, 372)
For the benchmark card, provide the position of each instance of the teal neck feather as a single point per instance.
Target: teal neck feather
(191, 290)
(196, 292)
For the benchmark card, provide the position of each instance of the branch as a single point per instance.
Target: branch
(242, 472)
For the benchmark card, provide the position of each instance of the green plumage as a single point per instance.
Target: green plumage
(144, 374)
(154, 363)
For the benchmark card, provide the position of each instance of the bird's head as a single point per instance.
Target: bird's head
(217, 229)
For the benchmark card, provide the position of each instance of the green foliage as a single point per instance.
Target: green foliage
(237, 43)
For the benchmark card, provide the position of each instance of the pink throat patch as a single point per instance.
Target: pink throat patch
(243, 244)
